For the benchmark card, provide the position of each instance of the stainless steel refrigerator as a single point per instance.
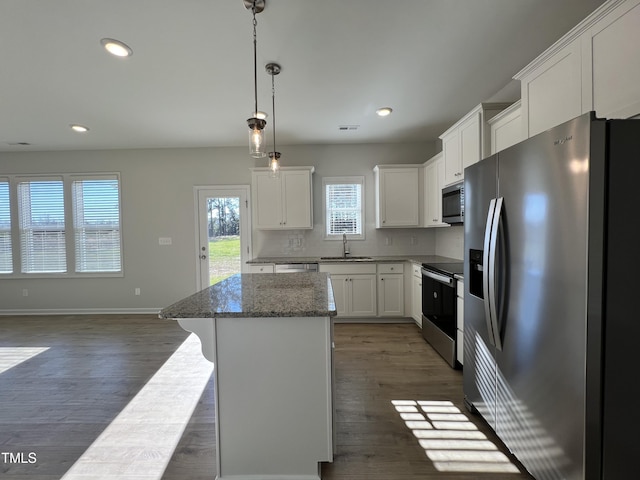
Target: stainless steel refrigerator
(552, 290)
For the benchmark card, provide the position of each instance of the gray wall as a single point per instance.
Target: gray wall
(158, 201)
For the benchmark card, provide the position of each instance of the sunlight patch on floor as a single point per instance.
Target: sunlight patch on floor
(140, 441)
(450, 440)
(12, 356)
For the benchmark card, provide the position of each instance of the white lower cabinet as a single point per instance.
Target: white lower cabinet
(460, 322)
(391, 289)
(262, 268)
(354, 288)
(416, 293)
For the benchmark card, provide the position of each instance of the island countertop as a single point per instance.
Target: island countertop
(260, 295)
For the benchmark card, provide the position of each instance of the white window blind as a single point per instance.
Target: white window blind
(42, 229)
(6, 258)
(343, 208)
(96, 223)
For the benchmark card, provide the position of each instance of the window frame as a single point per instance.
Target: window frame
(69, 227)
(6, 180)
(326, 181)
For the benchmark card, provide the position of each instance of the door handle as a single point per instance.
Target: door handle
(494, 217)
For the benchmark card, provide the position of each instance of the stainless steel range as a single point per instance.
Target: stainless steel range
(439, 307)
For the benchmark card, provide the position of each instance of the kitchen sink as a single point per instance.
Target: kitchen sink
(346, 259)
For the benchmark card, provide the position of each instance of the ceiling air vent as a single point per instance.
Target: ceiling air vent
(345, 128)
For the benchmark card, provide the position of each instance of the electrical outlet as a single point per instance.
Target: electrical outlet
(137, 291)
(413, 240)
(25, 292)
(165, 241)
(387, 241)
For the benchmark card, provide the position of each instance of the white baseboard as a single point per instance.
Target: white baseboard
(81, 311)
(373, 320)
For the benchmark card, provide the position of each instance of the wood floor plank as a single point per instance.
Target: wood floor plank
(60, 401)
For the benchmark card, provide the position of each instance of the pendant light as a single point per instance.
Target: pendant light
(256, 125)
(273, 69)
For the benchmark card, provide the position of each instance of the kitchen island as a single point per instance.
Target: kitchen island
(270, 338)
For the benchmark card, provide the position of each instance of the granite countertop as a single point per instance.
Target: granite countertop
(260, 295)
(420, 259)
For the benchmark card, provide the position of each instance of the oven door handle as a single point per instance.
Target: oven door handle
(438, 277)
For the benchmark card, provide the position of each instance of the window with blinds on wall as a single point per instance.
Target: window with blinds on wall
(6, 257)
(66, 225)
(96, 224)
(42, 226)
(344, 212)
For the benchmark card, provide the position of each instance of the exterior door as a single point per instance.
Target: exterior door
(224, 232)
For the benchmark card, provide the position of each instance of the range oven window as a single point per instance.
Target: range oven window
(439, 301)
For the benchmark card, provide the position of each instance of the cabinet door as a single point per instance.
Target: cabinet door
(451, 157)
(398, 197)
(267, 201)
(296, 200)
(470, 145)
(391, 295)
(340, 288)
(362, 295)
(434, 180)
(507, 130)
(616, 69)
(416, 299)
(553, 94)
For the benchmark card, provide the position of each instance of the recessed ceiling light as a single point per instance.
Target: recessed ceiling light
(116, 47)
(384, 111)
(78, 128)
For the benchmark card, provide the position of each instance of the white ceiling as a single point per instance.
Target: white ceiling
(189, 82)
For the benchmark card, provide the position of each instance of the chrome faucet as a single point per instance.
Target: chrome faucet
(345, 252)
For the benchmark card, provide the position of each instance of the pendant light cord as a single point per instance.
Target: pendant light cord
(273, 108)
(255, 60)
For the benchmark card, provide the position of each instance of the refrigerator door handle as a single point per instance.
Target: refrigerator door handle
(486, 272)
(493, 249)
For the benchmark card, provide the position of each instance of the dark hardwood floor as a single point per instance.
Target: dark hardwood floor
(71, 390)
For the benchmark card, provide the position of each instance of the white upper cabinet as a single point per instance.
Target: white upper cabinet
(506, 128)
(467, 141)
(615, 41)
(284, 202)
(433, 183)
(595, 66)
(397, 190)
(551, 93)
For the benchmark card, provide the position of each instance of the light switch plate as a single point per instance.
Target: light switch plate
(164, 241)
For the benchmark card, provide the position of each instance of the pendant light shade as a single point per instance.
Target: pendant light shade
(273, 69)
(257, 144)
(256, 125)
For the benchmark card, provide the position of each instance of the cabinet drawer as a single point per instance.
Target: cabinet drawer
(347, 268)
(390, 268)
(416, 270)
(261, 268)
(460, 288)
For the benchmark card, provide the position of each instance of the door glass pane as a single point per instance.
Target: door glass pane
(223, 232)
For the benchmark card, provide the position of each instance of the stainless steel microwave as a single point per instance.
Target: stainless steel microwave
(453, 204)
